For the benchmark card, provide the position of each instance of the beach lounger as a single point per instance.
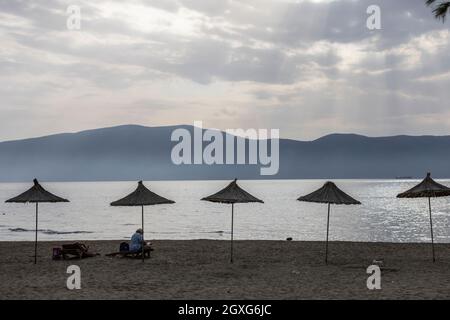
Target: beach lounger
(132, 254)
(76, 251)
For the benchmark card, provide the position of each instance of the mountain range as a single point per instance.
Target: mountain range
(132, 152)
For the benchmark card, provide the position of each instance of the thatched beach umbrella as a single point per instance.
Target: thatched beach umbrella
(329, 194)
(36, 194)
(139, 198)
(232, 194)
(428, 188)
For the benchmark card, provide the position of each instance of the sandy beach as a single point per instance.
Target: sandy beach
(200, 269)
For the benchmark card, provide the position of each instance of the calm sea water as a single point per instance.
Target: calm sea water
(382, 217)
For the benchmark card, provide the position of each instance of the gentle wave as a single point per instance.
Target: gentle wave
(192, 232)
(48, 231)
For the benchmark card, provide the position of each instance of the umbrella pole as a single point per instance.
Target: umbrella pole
(36, 235)
(328, 228)
(431, 226)
(143, 242)
(232, 227)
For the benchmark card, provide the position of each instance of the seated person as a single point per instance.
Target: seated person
(137, 241)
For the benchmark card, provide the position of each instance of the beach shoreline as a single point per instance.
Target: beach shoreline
(200, 269)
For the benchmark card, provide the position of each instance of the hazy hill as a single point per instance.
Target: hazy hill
(136, 152)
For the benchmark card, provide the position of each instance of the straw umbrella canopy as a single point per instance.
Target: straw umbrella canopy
(329, 194)
(232, 194)
(36, 194)
(139, 198)
(428, 188)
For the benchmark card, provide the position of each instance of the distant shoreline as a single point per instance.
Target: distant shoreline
(266, 178)
(109, 241)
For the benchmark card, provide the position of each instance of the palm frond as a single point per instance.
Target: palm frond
(440, 8)
(440, 12)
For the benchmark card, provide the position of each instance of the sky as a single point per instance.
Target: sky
(308, 68)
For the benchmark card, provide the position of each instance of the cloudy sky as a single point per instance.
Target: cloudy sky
(308, 68)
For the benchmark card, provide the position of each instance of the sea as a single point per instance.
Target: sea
(88, 216)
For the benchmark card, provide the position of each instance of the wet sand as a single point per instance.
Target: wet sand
(200, 269)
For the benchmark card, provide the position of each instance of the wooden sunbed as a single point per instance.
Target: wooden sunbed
(76, 251)
(132, 254)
